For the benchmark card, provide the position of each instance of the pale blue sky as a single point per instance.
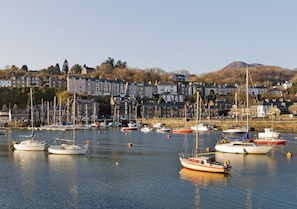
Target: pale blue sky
(196, 35)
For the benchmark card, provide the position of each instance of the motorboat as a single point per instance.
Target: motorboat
(201, 127)
(146, 129)
(268, 133)
(163, 129)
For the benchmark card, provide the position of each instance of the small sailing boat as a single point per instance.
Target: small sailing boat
(204, 161)
(69, 147)
(30, 142)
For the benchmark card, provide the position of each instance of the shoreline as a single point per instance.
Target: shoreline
(283, 126)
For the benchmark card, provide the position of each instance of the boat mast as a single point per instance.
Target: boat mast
(197, 118)
(247, 99)
(55, 110)
(32, 116)
(73, 115)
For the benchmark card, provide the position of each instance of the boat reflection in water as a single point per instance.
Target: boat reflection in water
(69, 170)
(28, 175)
(203, 178)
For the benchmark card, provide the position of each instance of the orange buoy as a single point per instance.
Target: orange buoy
(289, 154)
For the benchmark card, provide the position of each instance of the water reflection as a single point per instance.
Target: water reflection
(28, 173)
(202, 178)
(64, 173)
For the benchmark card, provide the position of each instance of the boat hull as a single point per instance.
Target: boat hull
(270, 141)
(189, 165)
(182, 131)
(67, 150)
(29, 145)
(204, 163)
(242, 148)
(129, 128)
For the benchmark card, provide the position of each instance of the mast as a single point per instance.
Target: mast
(48, 113)
(247, 99)
(54, 110)
(73, 119)
(60, 111)
(32, 116)
(236, 104)
(197, 118)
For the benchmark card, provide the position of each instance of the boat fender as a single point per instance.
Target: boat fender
(289, 154)
(223, 141)
(227, 162)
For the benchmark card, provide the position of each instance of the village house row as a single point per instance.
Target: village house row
(125, 97)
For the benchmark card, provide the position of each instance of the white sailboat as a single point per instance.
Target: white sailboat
(30, 142)
(205, 161)
(240, 145)
(69, 147)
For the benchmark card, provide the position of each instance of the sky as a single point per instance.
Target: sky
(195, 35)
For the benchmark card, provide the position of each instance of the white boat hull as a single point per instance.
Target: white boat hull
(67, 150)
(192, 166)
(204, 163)
(30, 145)
(240, 147)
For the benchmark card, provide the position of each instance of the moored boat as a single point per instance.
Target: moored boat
(268, 133)
(269, 141)
(205, 161)
(182, 131)
(163, 129)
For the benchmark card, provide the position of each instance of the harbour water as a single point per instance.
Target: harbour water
(145, 175)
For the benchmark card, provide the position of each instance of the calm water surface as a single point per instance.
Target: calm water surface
(146, 175)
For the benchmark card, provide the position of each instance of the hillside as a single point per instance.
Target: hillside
(234, 73)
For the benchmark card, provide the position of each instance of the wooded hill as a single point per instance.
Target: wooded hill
(234, 73)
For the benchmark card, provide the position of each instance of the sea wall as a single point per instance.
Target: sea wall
(282, 125)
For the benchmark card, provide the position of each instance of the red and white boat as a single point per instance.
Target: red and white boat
(129, 128)
(269, 136)
(269, 141)
(132, 126)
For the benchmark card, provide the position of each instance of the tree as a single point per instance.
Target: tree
(211, 96)
(76, 69)
(25, 68)
(53, 70)
(57, 68)
(120, 64)
(65, 68)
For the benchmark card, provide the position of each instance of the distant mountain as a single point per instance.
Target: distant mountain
(240, 64)
(234, 73)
